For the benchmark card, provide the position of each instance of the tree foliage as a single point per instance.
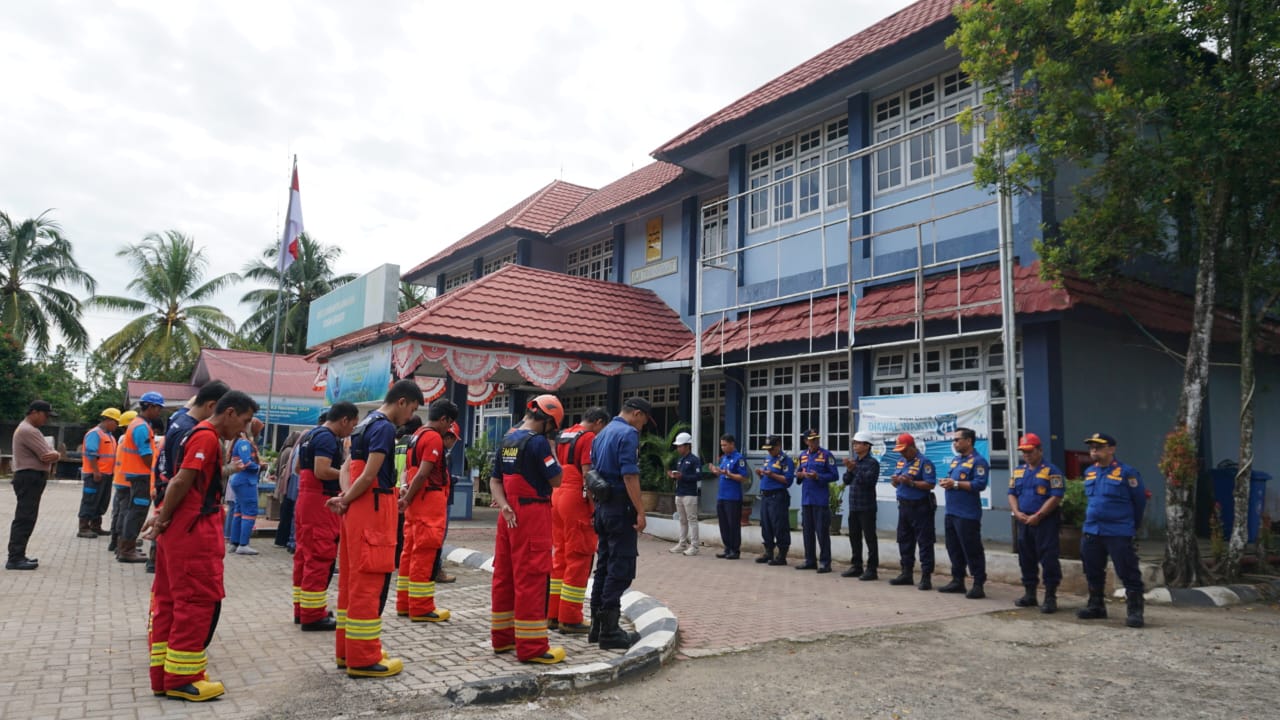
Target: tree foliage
(173, 319)
(15, 379)
(309, 277)
(56, 379)
(36, 267)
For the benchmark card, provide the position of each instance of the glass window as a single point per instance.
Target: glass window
(593, 261)
(715, 230)
(891, 365)
(810, 373)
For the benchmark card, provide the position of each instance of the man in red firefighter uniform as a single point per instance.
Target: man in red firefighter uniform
(573, 539)
(187, 591)
(367, 549)
(425, 499)
(316, 529)
(525, 472)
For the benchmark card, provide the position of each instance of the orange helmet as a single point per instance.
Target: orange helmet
(549, 405)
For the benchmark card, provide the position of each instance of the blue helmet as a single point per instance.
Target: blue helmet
(151, 398)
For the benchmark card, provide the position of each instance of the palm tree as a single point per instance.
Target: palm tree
(174, 320)
(308, 278)
(412, 296)
(35, 261)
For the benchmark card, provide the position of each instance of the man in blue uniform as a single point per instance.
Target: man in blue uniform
(966, 479)
(775, 526)
(618, 521)
(1116, 500)
(1036, 489)
(816, 473)
(734, 476)
(914, 478)
(862, 472)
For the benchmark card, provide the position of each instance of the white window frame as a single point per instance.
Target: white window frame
(456, 279)
(786, 399)
(715, 230)
(493, 265)
(593, 260)
(944, 149)
(798, 175)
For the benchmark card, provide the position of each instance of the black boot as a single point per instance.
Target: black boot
(767, 557)
(1134, 603)
(976, 592)
(1028, 598)
(1050, 605)
(852, 572)
(613, 637)
(115, 539)
(1096, 609)
(593, 636)
(955, 586)
(906, 577)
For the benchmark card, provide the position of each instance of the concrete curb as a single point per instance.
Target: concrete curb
(655, 622)
(1210, 595)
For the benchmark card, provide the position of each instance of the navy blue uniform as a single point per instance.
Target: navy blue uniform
(815, 505)
(915, 514)
(615, 454)
(963, 519)
(775, 525)
(729, 502)
(862, 481)
(690, 480)
(1038, 544)
(1116, 501)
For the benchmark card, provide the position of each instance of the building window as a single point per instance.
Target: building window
(455, 280)
(779, 405)
(944, 148)
(715, 231)
(953, 367)
(593, 261)
(576, 405)
(791, 177)
(495, 264)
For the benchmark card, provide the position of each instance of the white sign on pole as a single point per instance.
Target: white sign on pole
(932, 419)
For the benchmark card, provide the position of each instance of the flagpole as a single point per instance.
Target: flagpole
(275, 336)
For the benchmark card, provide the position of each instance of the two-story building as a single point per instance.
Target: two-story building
(817, 241)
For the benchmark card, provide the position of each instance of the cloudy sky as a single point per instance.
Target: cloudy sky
(413, 122)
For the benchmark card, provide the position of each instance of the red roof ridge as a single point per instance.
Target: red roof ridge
(886, 32)
(632, 186)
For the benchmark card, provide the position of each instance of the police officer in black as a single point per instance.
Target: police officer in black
(862, 472)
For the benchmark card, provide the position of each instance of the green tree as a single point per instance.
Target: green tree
(104, 387)
(1157, 103)
(36, 265)
(412, 296)
(15, 379)
(308, 278)
(55, 379)
(170, 301)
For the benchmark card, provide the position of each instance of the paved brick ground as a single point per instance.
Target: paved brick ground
(75, 641)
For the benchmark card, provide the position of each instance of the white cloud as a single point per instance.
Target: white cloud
(414, 123)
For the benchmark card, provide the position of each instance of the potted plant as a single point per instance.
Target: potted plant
(833, 501)
(657, 454)
(1072, 514)
(479, 456)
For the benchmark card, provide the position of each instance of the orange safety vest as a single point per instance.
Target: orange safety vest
(128, 460)
(106, 453)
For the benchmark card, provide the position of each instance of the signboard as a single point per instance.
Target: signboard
(292, 411)
(361, 376)
(653, 240)
(654, 271)
(368, 300)
(932, 419)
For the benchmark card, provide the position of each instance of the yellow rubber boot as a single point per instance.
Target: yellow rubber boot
(550, 657)
(440, 615)
(342, 663)
(387, 668)
(198, 691)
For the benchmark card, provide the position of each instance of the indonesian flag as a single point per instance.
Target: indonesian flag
(292, 227)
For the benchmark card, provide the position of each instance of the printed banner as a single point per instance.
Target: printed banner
(932, 419)
(361, 376)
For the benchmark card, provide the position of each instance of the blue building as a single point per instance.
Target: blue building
(817, 241)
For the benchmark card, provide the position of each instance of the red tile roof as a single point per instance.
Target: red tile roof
(539, 213)
(893, 29)
(1156, 309)
(175, 394)
(645, 181)
(251, 372)
(541, 312)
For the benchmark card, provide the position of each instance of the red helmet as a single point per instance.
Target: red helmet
(550, 405)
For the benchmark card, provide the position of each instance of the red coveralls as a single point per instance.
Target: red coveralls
(366, 552)
(187, 591)
(316, 532)
(424, 523)
(573, 538)
(522, 555)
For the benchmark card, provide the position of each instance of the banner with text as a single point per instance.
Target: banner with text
(361, 376)
(932, 419)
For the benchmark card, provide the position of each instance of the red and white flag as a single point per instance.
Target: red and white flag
(292, 237)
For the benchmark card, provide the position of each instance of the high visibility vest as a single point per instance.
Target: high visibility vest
(106, 453)
(128, 460)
